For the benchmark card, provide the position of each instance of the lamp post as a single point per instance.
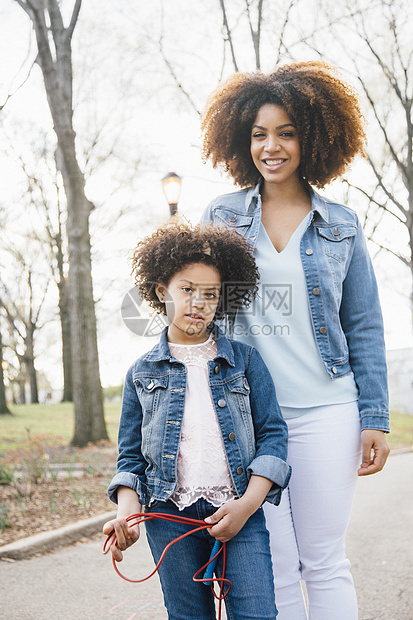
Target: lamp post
(171, 187)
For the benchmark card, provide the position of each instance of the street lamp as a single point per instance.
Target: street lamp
(171, 187)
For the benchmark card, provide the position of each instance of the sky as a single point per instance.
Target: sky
(158, 133)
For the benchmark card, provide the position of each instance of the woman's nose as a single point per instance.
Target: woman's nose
(272, 144)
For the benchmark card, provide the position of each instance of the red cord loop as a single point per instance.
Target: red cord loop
(200, 525)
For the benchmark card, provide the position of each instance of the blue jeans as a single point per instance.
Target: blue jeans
(248, 566)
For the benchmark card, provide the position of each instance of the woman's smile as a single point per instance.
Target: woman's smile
(275, 147)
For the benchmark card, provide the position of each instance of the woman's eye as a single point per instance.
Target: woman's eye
(258, 134)
(287, 134)
(210, 295)
(187, 289)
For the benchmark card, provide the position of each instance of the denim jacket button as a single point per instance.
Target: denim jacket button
(316, 291)
(323, 330)
(336, 232)
(233, 219)
(231, 436)
(216, 370)
(309, 252)
(150, 385)
(221, 402)
(240, 470)
(334, 370)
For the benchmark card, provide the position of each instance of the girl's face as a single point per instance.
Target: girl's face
(275, 148)
(191, 299)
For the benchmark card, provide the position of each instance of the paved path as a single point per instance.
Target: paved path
(79, 583)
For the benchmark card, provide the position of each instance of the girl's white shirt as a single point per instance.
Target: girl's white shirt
(202, 469)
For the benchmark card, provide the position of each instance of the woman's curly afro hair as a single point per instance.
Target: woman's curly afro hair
(324, 109)
(172, 247)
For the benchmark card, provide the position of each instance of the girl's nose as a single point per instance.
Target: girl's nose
(198, 301)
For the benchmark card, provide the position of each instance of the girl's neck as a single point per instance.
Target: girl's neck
(179, 337)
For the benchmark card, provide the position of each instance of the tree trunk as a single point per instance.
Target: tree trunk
(29, 364)
(64, 313)
(3, 405)
(55, 60)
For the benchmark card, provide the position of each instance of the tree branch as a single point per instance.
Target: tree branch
(74, 18)
(229, 34)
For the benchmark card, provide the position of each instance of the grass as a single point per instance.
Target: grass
(48, 421)
(401, 435)
(57, 421)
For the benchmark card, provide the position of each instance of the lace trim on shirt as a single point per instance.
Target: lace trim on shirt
(214, 495)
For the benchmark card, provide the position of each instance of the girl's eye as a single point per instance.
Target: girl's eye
(287, 134)
(210, 295)
(258, 134)
(187, 289)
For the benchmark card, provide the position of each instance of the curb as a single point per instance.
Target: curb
(68, 534)
(46, 541)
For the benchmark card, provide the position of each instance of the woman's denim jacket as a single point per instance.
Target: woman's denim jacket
(342, 292)
(253, 431)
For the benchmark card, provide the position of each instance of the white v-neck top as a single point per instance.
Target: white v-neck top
(279, 325)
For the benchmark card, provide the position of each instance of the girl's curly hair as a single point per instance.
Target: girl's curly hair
(172, 247)
(324, 109)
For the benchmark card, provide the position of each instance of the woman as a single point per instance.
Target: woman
(317, 320)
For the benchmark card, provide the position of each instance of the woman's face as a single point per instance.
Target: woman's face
(275, 148)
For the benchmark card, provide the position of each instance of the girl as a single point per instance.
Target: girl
(198, 436)
(317, 322)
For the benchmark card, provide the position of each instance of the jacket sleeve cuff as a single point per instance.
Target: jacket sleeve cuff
(122, 479)
(375, 420)
(274, 469)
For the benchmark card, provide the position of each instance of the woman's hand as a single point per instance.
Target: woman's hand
(125, 536)
(375, 451)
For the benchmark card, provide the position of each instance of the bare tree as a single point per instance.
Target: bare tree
(381, 60)
(42, 194)
(54, 58)
(3, 404)
(22, 313)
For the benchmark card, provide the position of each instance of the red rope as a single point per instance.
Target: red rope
(201, 525)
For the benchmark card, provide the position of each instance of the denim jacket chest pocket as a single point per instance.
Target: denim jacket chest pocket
(337, 240)
(229, 218)
(240, 393)
(151, 391)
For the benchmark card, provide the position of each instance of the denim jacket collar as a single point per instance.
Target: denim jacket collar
(161, 350)
(318, 203)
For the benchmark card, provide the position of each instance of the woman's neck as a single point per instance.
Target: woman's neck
(285, 196)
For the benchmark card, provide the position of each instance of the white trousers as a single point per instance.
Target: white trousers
(308, 528)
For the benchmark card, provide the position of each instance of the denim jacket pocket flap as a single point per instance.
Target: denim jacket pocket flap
(233, 219)
(239, 386)
(338, 232)
(150, 384)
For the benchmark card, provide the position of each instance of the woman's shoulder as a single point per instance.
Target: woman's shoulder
(336, 210)
(232, 199)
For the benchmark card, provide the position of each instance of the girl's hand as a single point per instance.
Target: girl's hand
(230, 518)
(375, 451)
(125, 536)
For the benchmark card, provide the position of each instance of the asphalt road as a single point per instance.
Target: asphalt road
(79, 583)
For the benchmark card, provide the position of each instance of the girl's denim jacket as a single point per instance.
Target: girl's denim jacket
(342, 292)
(254, 433)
